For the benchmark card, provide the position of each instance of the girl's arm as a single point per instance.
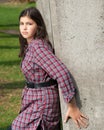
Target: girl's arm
(58, 71)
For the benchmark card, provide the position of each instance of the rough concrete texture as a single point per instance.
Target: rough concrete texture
(77, 29)
(44, 7)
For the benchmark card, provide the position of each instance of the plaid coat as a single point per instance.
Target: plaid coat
(41, 106)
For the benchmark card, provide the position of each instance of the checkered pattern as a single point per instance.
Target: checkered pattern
(38, 106)
(42, 105)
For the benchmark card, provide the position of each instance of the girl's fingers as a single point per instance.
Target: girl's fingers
(66, 118)
(79, 119)
(84, 116)
(83, 122)
(77, 124)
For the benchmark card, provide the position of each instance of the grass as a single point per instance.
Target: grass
(11, 78)
(10, 13)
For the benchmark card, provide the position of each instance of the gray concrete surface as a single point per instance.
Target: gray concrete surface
(44, 7)
(77, 30)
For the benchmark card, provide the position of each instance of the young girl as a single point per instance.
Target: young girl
(44, 73)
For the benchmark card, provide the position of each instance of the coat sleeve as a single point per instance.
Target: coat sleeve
(55, 69)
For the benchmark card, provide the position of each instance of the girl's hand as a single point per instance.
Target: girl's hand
(73, 112)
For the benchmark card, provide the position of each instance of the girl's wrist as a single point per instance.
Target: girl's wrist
(72, 103)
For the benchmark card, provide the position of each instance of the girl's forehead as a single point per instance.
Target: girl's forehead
(25, 18)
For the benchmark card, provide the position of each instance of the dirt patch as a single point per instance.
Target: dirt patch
(4, 1)
(14, 32)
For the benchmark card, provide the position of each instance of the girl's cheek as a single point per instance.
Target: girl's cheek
(20, 28)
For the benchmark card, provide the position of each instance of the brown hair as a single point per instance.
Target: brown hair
(41, 33)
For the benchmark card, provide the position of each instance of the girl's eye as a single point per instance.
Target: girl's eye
(21, 23)
(29, 23)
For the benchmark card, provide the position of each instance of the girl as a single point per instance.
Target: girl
(44, 73)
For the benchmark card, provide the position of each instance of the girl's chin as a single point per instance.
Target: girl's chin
(24, 36)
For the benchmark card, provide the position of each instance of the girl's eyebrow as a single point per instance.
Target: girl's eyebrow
(26, 22)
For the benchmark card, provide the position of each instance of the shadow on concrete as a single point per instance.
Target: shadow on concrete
(77, 95)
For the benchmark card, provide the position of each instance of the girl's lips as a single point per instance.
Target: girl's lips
(24, 33)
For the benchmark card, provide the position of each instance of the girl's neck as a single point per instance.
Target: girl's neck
(29, 40)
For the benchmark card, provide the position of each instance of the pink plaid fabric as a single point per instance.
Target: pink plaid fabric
(41, 106)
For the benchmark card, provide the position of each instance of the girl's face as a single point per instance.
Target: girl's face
(28, 28)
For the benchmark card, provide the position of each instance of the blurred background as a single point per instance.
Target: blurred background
(11, 78)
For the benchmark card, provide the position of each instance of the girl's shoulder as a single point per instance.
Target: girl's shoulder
(39, 43)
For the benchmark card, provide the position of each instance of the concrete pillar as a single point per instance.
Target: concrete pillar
(44, 7)
(77, 28)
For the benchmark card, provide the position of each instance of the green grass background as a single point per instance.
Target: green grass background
(11, 78)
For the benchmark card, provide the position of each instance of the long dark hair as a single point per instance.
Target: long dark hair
(41, 33)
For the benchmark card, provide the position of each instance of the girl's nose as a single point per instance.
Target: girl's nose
(24, 27)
